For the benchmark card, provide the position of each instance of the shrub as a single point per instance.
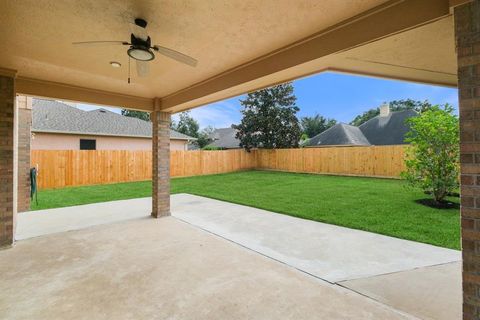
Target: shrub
(212, 148)
(433, 156)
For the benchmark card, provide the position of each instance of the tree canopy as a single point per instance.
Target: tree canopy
(395, 105)
(311, 126)
(136, 114)
(189, 126)
(269, 119)
(205, 137)
(186, 125)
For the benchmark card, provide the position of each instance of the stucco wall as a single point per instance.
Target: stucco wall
(53, 141)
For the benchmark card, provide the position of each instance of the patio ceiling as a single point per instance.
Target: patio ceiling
(240, 45)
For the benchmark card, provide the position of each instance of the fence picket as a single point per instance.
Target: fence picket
(60, 168)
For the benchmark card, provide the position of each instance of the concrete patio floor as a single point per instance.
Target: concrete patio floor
(163, 269)
(396, 273)
(412, 290)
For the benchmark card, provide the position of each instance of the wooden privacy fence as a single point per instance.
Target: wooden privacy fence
(61, 168)
(373, 161)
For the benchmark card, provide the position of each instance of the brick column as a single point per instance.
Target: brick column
(24, 111)
(160, 164)
(467, 33)
(7, 190)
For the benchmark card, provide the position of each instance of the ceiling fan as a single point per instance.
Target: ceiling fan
(141, 48)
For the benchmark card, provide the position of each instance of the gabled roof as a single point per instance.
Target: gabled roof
(381, 130)
(56, 117)
(388, 130)
(225, 138)
(339, 134)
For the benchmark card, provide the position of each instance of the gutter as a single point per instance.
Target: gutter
(106, 134)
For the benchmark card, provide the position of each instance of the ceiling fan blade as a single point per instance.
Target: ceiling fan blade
(100, 43)
(138, 32)
(143, 68)
(176, 55)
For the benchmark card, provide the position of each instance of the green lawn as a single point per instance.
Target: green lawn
(377, 205)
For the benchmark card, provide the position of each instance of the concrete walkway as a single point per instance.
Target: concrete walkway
(414, 278)
(326, 251)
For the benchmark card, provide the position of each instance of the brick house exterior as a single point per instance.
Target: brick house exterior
(7, 179)
(467, 29)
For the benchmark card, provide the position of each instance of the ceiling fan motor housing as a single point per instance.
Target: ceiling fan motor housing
(141, 48)
(141, 22)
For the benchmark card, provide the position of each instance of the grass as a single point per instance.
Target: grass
(378, 205)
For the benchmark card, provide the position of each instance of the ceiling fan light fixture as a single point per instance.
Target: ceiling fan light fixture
(115, 64)
(141, 54)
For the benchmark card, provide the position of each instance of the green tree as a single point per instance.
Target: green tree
(311, 126)
(212, 148)
(432, 161)
(186, 125)
(269, 119)
(205, 137)
(395, 105)
(364, 117)
(409, 104)
(136, 114)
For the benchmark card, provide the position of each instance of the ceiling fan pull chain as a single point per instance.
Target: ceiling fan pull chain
(128, 70)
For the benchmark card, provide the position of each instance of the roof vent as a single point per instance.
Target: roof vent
(102, 111)
(384, 110)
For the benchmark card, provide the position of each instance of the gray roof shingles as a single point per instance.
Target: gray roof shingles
(381, 130)
(54, 116)
(339, 134)
(389, 129)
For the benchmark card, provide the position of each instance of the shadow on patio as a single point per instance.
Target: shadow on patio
(214, 259)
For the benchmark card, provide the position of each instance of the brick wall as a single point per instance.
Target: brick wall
(160, 164)
(467, 29)
(7, 104)
(24, 113)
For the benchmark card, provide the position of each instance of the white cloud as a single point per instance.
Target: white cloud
(220, 114)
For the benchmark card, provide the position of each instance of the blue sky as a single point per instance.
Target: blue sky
(332, 95)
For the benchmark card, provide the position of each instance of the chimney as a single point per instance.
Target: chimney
(384, 110)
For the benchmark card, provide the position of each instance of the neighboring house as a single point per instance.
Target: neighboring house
(388, 128)
(225, 138)
(193, 147)
(341, 134)
(58, 126)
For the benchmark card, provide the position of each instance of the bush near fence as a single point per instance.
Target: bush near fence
(61, 168)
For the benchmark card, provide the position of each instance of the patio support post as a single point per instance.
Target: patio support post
(7, 162)
(467, 34)
(160, 164)
(24, 111)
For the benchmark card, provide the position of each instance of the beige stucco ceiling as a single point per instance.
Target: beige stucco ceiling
(222, 35)
(425, 54)
(219, 34)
